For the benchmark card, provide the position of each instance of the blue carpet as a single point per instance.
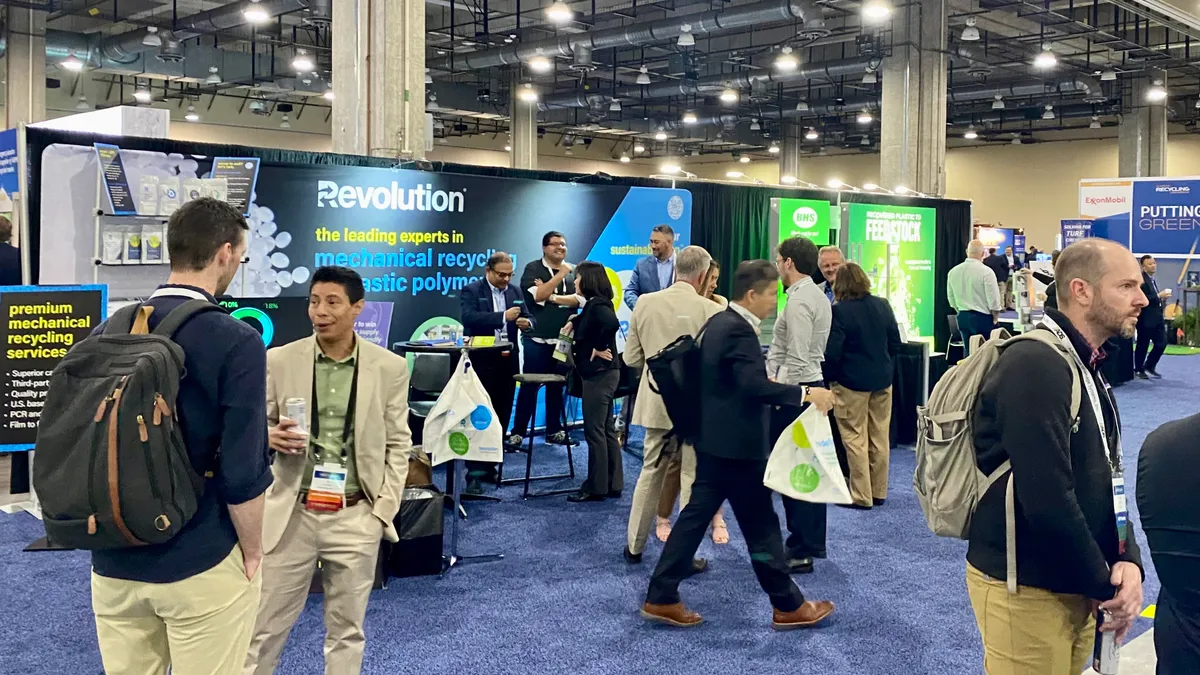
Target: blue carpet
(563, 600)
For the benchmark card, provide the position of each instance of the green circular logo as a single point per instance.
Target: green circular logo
(804, 478)
(459, 444)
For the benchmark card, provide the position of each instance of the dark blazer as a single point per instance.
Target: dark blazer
(863, 340)
(735, 394)
(478, 318)
(1152, 314)
(596, 328)
(10, 265)
(998, 264)
(644, 280)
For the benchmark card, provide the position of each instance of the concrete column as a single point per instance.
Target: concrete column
(523, 125)
(789, 150)
(379, 78)
(25, 99)
(1142, 136)
(912, 145)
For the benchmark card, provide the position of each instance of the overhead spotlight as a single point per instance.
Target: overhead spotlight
(302, 62)
(864, 117)
(1045, 58)
(255, 13)
(1095, 123)
(729, 96)
(527, 93)
(786, 62)
(660, 135)
(152, 38)
(285, 123)
(970, 33)
(998, 104)
(1157, 93)
(870, 187)
(643, 75)
(624, 158)
(876, 10)
(754, 125)
(214, 76)
(812, 134)
(1198, 104)
(870, 77)
(142, 95)
(1016, 140)
(428, 77)
(734, 174)
(689, 117)
(802, 106)
(901, 190)
(83, 104)
(72, 64)
(774, 149)
(971, 134)
(432, 104)
(1108, 75)
(744, 159)
(540, 64)
(508, 147)
(787, 180)
(559, 13)
(1048, 113)
(686, 39)
(191, 115)
(670, 166)
(638, 149)
(835, 184)
(328, 94)
(615, 106)
(865, 142)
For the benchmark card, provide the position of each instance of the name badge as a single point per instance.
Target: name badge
(1120, 508)
(327, 492)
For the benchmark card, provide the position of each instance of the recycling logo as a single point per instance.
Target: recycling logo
(459, 444)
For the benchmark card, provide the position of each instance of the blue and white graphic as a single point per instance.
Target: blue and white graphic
(1166, 216)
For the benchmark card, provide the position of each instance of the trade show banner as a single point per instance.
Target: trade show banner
(1018, 244)
(1152, 216)
(995, 237)
(9, 179)
(1075, 230)
(895, 246)
(809, 218)
(40, 323)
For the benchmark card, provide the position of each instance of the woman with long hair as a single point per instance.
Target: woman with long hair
(599, 367)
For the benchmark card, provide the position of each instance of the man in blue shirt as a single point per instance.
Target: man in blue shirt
(656, 271)
(190, 603)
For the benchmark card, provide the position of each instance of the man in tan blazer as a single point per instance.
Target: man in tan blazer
(339, 474)
(658, 320)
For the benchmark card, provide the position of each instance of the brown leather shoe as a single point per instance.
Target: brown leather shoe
(808, 615)
(673, 615)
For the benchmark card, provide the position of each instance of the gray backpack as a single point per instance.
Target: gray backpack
(111, 470)
(948, 481)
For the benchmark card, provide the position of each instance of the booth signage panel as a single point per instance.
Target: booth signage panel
(1166, 216)
(1075, 230)
(998, 238)
(241, 175)
(808, 218)
(116, 182)
(40, 324)
(895, 246)
(283, 320)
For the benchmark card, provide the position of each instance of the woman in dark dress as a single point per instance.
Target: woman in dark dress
(598, 366)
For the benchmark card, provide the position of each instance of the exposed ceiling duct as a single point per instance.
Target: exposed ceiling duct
(701, 23)
(1073, 84)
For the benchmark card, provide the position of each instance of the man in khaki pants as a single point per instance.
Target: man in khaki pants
(658, 319)
(338, 478)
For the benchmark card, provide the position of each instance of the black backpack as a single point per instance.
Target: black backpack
(111, 470)
(676, 378)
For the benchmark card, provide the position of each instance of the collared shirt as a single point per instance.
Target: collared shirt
(754, 321)
(801, 331)
(1012, 262)
(971, 286)
(666, 271)
(498, 305)
(827, 287)
(548, 328)
(334, 380)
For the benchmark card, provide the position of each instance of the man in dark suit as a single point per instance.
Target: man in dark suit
(491, 307)
(731, 458)
(1150, 326)
(657, 270)
(10, 256)
(1000, 265)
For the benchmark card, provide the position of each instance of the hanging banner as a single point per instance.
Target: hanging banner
(895, 246)
(1075, 230)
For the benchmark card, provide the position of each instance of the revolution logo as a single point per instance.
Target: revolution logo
(388, 198)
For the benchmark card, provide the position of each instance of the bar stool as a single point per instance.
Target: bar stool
(537, 379)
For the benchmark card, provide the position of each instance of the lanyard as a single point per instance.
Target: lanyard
(348, 425)
(1114, 461)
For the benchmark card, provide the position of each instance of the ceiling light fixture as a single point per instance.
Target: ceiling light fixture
(686, 39)
(660, 135)
(624, 158)
(255, 14)
(1045, 58)
(787, 180)
(802, 106)
(559, 13)
(729, 95)
(786, 62)
(638, 149)
(527, 93)
(1108, 75)
(142, 95)
(643, 77)
(998, 104)
(1198, 104)
(864, 117)
(971, 134)
(328, 94)
(774, 149)
(876, 10)
(870, 77)
(744, 159)
(151, 38)
(970, 33)
(214, 76)
(83, 104)
(754, 125)
(285, 123)
(72, 64)
(191, 115)
(812, 134)
(1048, 113)
(1157, 93)
(1095, 123)
(540, 64)
(302, 62)
(508, 147)
(615, 106)
(432, 104)
(689, 117)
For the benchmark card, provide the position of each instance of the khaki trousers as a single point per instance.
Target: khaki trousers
(1031, 632)
(671, 486)
(347, 545)
(864, 419)
(198, 626)
(650, 484)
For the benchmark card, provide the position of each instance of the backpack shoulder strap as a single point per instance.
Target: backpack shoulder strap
(1046, 338)
(181, 314)
(121, 322)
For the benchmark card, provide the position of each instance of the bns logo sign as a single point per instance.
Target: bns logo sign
(388, 198)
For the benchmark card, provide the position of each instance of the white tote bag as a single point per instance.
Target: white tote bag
(462, 423)
(804, 463)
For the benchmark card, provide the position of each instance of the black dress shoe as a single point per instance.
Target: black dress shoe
(631, 557)
(1140, 375)
(699, 566)
(878, 502)
(800, 565)
(822, 554)
(584, 497)
(615, 494)
(1153, 374)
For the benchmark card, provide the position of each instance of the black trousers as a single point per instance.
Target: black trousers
(539, 358)
(1176, 637)
(741, 483)
(971, 323)
(605, 471)
(806, 521)
(495, 370)
(1146, 334)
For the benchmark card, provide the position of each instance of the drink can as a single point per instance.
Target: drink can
(297, 411)
(1106, 655)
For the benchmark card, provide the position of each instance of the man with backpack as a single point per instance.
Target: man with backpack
(176, 525)
(1050, 543)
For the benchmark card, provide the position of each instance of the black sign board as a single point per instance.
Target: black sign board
(39, 324)
(278, 320)
(240, 174)
(116, 183)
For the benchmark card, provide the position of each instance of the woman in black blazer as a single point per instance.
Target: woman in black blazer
(597, 364)
(863, 341)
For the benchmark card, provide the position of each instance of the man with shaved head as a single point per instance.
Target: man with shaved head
(1075, 551)
(972, 291)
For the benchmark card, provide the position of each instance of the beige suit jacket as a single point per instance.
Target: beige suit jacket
(382, 441)
(658, 320)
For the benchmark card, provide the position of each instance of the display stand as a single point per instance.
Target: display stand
(449, 562)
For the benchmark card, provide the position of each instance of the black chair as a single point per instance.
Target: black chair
(956, 341)
(430, 374)
(528, 478)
